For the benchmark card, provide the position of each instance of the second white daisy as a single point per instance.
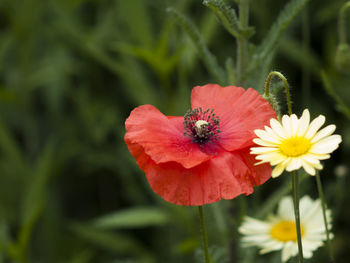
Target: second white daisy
(295, 143)
(278, 232)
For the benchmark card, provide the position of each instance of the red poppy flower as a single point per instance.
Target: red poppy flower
(204, 156)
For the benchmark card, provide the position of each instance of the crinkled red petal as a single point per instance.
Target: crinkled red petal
(259, 174)
(223, 177)
(161, 138)
(240, 111)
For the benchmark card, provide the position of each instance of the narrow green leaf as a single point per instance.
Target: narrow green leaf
(34, 197)
(226, 14)
(132, 218)
(139, 27)
(286, 16)
(10, 148)
(138, 86)
(208, 58)
(230, 68)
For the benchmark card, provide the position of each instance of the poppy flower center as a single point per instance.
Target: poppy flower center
(201, 126)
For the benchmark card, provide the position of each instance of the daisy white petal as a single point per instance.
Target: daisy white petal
(287, 125)
(294, 125)
(278, 170)
(295, 164)
(308, 168)
(264, 143)
(277, 128)
(286, 209)
(287, 251)
(314, 126)
(266, 136)
(326, 145)
(323, 133)
(304, 123)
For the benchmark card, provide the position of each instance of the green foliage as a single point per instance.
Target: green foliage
(285, 17)
(132, 218)
(71, 72)
(226, 14)
(208, 58)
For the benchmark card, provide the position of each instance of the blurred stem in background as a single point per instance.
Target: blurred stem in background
(242, 41)
(342, 23)
(323, 202)
(306, 75)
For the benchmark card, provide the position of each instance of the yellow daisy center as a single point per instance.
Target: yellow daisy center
(294, 147)
(285, 231)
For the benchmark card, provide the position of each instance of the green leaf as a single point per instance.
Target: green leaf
(139, 27)
(226, 14)
(132, 218)
(208, 58)
(10, 148)
(34, 197)
(286, 16)
(111, 241)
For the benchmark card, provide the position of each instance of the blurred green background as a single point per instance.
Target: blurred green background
(70, 73)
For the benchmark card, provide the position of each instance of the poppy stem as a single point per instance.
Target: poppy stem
(204, 234)
(295, 190)
(320, 192)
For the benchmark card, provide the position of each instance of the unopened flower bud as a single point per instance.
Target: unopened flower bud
(273, 102)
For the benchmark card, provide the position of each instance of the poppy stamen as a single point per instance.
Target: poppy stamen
(202, 126)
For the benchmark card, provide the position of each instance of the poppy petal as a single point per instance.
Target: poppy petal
(161, 138)
(259, 174)
(240, 111)
(223, 177)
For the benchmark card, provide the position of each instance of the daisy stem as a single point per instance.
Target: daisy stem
(286, 86)
(320, 192)
(204, 234)
(295, 182)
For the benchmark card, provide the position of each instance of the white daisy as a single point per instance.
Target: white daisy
(278, 232)
(295, 143)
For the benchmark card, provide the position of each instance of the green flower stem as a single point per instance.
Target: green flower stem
(204, 234)
(295, 179)
(342, 23)
(295, 183)
(286, 86)
(320, 192)
(242, 41)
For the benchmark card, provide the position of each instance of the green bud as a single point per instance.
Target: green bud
(342, 58)
(273, 102)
